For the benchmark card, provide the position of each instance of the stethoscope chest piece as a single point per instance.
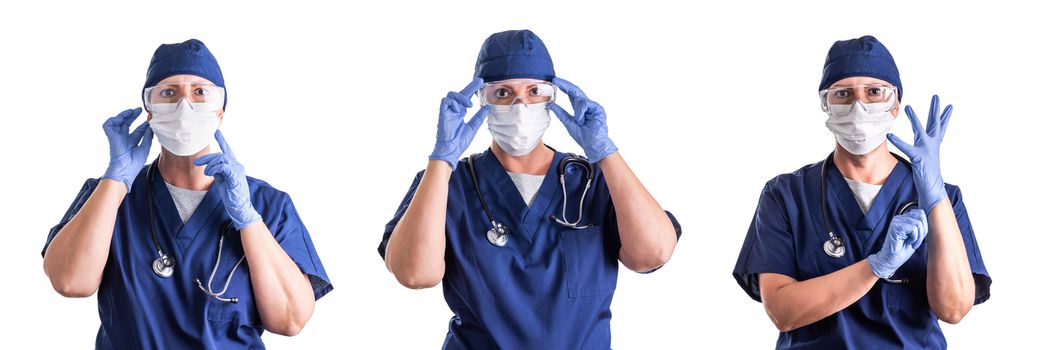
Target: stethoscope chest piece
(163, 266)
(497, 235)
(834, 247)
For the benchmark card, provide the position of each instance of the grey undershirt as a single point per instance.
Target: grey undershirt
(864, 193)
(186, 200)
(527, 185)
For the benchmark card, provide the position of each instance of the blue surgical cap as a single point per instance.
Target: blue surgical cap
(861, 57)
(189, 57)
(514, 54)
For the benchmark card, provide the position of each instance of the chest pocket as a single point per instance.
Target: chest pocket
(590, 267)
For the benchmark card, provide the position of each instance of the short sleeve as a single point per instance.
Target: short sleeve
(979, 270)
(289, 231)
(389, 227)
(77, 204)
(768, 246)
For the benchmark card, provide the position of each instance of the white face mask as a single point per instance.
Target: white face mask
(857, 130)
(517, 129)
(184, 128)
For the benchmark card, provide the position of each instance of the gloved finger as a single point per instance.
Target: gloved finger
(471, 88)
(912, 237)
(455, 110)
(916, 125)
(908, 149)
(568, 88)
(461, 99)
(562, 115)
(897, 229)
(945, 119)
(209, 159)
(220, 140)
(218, 169)
(917, 243)
(128, 116)
(145, 142)
(138, 133)
(477, 119)
(595, 111)
(580, 110)
(121, 122)
(934, 112)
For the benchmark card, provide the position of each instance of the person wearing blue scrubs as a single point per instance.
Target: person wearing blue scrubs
(865, 249)
(526, 240)
(186, 252)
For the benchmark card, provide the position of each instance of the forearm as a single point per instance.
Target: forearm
(282, 292)
(76, 257)
(646, 233)
(791, 304)
(949, 282)
(416, 249)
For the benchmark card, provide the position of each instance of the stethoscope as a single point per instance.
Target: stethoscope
(498, 233)
(835, 246)
(163, 265)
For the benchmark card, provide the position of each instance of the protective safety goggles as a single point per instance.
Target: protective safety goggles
(872, 97)
(165, 96)
(527, 91)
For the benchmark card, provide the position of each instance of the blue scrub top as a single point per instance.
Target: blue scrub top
(786, 237)
(140, 310)
(550, 287)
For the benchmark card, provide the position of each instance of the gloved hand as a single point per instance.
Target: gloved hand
(925, 154)
(454, 135)
(906, 233)
(587, 127)
(128, 150)
(230, 175)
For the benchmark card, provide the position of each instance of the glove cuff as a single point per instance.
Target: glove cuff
(878, 268)
(249, 217)
(941, 193)
(447, 159)
(113, 173)
(603, 148)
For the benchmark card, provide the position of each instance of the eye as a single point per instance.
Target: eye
(875, 91)
(167, 92)
(841, 93)
(201, 91)
(500, 93)
(535, 91)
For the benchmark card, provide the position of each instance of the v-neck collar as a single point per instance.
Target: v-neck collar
(880, 206)
(182, 233)
(505, 194)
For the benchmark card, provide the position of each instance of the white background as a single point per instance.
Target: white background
(337, 106)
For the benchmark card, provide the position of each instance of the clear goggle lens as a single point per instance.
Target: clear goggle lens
(163, 96)
(516, 92)
(871, 96)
